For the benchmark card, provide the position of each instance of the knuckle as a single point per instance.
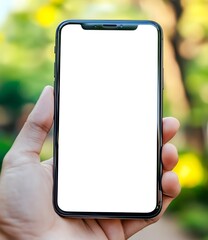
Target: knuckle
(36, 126)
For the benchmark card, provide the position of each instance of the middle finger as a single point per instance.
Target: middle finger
(169, 156)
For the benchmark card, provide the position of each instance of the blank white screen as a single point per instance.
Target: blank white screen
(108, 120)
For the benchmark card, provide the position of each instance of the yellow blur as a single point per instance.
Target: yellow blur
(46, 15)
(189, 170)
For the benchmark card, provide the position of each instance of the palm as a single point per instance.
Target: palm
(26, 210)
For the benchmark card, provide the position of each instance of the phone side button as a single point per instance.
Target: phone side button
(163, 78)
(54, 70)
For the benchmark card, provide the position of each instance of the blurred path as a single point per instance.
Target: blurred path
(165, 229)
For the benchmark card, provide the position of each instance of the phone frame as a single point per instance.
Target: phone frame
(117, 23)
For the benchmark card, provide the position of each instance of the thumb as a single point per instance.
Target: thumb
(30, 140)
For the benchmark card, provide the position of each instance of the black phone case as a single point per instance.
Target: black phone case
(109, 25)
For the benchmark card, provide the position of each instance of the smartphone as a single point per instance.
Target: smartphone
(108, 119)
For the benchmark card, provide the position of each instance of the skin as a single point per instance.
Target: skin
(26, 210)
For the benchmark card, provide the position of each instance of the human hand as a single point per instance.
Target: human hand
(26, 210)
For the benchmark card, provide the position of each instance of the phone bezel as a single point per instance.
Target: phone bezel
(121, 215)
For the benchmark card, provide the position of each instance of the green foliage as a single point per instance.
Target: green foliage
(195, 219)
(197, 84)
(11, 96)
(32, 38)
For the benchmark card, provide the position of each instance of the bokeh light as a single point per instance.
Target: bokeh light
(189, 170)
(46, 15)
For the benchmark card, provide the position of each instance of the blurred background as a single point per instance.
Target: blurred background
(27, 31)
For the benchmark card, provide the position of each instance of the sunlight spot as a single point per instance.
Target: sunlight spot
(189, 170)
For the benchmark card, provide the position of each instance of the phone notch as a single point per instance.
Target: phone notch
(108, 26)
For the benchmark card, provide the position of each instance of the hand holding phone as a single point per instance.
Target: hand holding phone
(31, 200)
